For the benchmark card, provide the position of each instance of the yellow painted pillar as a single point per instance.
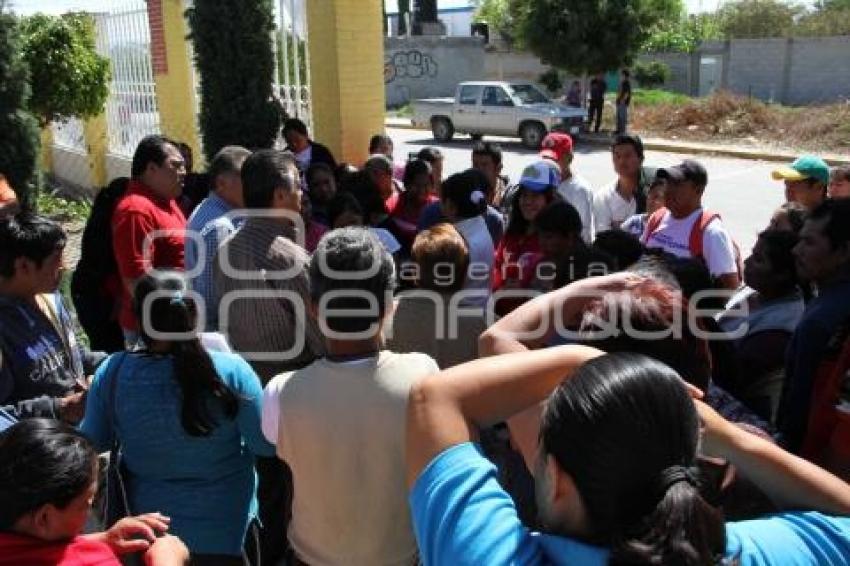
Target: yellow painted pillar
(47, 149)
(175, 89)
(346, 43)
(97, 144)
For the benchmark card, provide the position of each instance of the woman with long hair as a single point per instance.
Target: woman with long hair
(615, 474)
(518, 253)
(188, 422)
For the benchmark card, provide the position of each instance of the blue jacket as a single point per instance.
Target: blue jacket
(206, 484)
(40, 359)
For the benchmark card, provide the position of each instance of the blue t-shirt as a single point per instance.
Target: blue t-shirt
(206, 484)
(461, 516)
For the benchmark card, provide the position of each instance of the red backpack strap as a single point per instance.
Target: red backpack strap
(653, 222)
(697, 231)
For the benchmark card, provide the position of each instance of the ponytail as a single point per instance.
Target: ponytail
(169, 312)
(468, 192)
(682, 529)
(197, 378)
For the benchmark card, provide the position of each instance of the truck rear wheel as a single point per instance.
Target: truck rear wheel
(532, 134)
(442, 129)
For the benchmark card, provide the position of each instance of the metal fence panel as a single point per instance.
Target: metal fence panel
(131, 110)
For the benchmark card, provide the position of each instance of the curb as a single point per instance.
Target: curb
(675, 147)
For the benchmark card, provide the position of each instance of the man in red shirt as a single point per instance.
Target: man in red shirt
(148, 227)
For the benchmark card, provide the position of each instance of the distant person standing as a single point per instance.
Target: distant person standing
(597, 101)
(306, 151)
(624, 99)
(148, 216)
(574, 95)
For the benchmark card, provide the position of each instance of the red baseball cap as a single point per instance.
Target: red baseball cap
(555, 145)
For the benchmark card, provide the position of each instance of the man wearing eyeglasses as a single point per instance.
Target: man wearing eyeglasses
(148, 226)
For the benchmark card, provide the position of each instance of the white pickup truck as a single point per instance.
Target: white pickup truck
(497, 108)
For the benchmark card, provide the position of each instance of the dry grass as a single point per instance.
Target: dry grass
(736, 119)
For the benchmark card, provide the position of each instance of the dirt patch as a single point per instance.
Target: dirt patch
(727, 118)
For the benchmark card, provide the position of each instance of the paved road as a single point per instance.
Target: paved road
(741, 190)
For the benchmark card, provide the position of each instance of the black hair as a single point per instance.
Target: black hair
(629, 139)
(559, 217)
(171, 311)
(352, 250)
(489, 149)
(651, 307)
(626, 72)
(777, 247)
(42, 461)
(294, 125)
(229, 159)
(837, 213)
(430, 154)
(150, 150)
(796, 214)
(625, 247)
(318, 168)
(414, 169)
(30, 236)
(364, 189)
(378, 139)
(379, 162)
(585, 261)
(517, 224)
(626, 432)
(343, 171)
(341, 203)
(467, 191)
(264, 171)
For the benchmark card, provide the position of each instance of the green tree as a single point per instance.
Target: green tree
(236, 67)
(496, 14)
(682, 34)
(19, 142)
(652, 74)
(68, 76)
(831, 17)
(587, 36)
(758, 18)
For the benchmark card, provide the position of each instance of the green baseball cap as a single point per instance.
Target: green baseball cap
(805, 167)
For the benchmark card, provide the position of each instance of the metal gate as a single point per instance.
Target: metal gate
(292, 60)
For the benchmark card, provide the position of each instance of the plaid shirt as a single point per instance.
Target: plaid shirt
(264, 329)
(211, 223)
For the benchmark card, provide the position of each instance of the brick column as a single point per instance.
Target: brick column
(172, 69)
(346, 44)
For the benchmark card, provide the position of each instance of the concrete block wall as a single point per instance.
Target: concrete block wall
(755, 67)
(680, 70)
(819, 70)
(429, 66)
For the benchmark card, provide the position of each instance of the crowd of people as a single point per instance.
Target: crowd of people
(301, 361)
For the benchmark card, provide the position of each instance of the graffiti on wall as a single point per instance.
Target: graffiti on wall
(411, 64)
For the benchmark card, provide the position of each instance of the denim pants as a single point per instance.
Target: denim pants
(622, 117)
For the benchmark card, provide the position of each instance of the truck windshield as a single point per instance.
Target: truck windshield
(528, 94)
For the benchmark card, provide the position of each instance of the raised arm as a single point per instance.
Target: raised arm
(446, 408)
(791, 482)
(531, 325)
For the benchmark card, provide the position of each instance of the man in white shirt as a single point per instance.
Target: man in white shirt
(574, 188)
(623, 197)
(676, 228)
